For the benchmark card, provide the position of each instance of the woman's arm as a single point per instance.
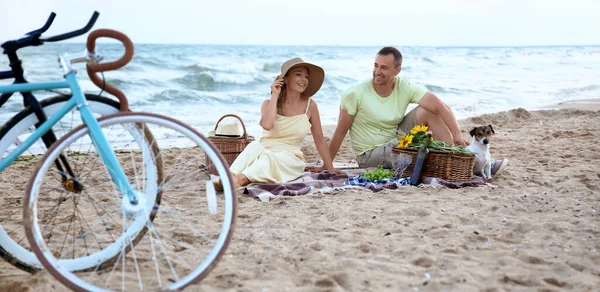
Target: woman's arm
(268, 109)
(319, 139)
(268, 112)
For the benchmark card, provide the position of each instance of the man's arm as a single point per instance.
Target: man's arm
(344, 122)
(432, 103)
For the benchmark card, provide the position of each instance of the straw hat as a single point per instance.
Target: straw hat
(316, 75)
(230, 129)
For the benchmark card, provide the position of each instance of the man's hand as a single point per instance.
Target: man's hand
(460, 141)
(323, 167)
(335, 171)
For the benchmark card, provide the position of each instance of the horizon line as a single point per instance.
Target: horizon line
(330, 45)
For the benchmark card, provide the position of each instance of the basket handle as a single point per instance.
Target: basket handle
(237, 117)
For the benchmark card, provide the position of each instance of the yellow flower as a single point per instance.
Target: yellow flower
(419, 128)
(405, 141)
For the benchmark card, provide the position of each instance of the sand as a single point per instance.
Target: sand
(535, 227)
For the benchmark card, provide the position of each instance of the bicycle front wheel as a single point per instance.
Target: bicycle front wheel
(188, 236)
(14, 248)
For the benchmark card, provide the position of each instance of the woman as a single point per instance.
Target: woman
(286, 119)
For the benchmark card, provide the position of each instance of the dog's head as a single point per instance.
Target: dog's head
(483, 134)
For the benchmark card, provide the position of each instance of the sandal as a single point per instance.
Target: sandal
(219, 185)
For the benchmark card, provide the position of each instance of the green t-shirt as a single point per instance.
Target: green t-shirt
(376, 118)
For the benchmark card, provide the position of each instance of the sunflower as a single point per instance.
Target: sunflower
(419, 128)
(405, 141)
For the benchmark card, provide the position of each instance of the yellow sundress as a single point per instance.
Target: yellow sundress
(277, 157)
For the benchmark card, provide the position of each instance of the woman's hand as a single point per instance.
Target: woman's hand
(276, 86)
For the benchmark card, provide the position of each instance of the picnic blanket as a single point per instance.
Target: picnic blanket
(310, 183)
(325, 182)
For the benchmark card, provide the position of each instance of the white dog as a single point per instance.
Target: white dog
(480, 146)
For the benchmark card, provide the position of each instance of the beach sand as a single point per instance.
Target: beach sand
(535, 227)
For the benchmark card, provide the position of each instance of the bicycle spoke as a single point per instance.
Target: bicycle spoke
(151, 229)
(123, 251)
(63, 245)
(105, 212)
(137, 271)
(113, 269)
(150, 238)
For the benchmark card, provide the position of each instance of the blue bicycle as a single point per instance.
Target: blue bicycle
(124, 201)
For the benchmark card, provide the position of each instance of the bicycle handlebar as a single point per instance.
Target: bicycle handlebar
(113, 34)
(33, 37)
(92, 69)
(74, 33)
(45, 27)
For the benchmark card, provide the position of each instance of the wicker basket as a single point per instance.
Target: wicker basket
(453, 167)
(228, 146)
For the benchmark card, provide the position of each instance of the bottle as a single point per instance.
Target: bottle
(417, 174)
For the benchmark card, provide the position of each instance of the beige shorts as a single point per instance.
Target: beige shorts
(382, 153)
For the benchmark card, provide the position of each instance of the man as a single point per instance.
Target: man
(374, 111)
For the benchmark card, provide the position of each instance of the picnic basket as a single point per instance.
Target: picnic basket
(449, 166)
(230, 147)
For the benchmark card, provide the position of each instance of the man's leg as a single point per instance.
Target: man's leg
(408, 122)
(498, 165)
(383, 153)
(380, 155)
(435, 124)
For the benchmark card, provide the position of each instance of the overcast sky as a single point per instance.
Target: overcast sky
(321, 22)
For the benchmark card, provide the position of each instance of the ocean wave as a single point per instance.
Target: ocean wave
(328, 95)
(572, 91)
(209, 80)
(222, 66)
(272, 67)
(185, 98)
(454, 90)
(149, 61)
(337, 83)
(176, 97)
(197, 68)
(117, 82)
(435, 88)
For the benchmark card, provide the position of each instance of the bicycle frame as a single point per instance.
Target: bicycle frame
(78, 100)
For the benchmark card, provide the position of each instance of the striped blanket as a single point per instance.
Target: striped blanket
(325, 182)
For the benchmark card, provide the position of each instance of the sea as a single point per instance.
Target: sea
(200, 83)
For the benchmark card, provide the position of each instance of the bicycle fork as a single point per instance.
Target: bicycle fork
(133, 202)
(70, 182)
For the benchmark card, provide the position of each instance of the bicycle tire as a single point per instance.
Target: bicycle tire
(144, 252)
(24, 113)
(10, 250)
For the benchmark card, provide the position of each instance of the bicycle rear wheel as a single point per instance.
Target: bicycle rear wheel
(14, 248)
(184, 242)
